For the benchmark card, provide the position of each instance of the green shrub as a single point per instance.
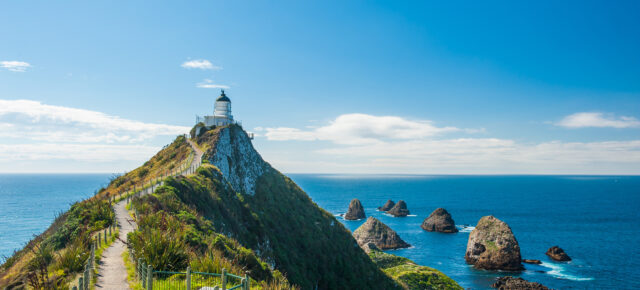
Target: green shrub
(73, 259)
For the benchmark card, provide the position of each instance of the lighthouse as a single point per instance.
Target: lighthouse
(221, 113)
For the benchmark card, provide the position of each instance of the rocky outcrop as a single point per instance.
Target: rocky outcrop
(369, 247)
(355, 211)
(439, 221)
(556, 253)
(512, 283)
(238, 161)
(387, 206)
(492, 246)
(399, 209)
(530, 261)
(382, 236)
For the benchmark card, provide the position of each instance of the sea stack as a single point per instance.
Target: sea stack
(387, 206)
(439, 221)
(492, 246)
(508, 283)
(556, 253)
(355, 211)
(382, 236)
(399, 209)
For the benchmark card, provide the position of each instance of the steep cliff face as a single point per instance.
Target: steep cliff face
(238, 161)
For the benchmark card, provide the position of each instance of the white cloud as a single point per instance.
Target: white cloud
(597, 120)
(361, 129)
(369, 144)
(32, 120)
(17, 66)
(208, 84)
(75, 152)
(202, 64)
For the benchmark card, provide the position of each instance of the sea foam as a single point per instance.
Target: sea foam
(465, 229)
(558, 271)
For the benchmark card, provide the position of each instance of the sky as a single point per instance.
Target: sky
(471, 87)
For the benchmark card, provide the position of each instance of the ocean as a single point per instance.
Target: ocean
(30, 202)
(593, 218)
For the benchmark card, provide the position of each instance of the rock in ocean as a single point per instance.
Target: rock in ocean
(492, 246)
(382, 236)
(387, 206)
(509, 283)
(439, 221)
(355, 211)
(399, 209)
(556, 253)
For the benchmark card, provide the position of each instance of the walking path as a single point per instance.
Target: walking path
(112, 273)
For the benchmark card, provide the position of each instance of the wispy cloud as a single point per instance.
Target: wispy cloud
(202, 64)
(32, 120)
(361, 129)
(359, 143)
(209, 84)
(597, 120)
(16, 66)
(76, 152)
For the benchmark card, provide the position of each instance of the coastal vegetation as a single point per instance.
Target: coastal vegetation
(409, 274)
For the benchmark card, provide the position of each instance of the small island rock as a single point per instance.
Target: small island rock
(355, 211)
(387, 206)
(399, 209)
(512, 283)
(492, 246)
(556, 253)
(439, 221)
(382, 236)
(531, 261)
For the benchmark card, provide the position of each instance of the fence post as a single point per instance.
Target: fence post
(224, 279)
(188, 278)
(149, 278)
(87, 282)
(144, 275)
(243, 282)
(109, 230)
(139, 267)
(105, 237)
(74, 288)
(80, 284)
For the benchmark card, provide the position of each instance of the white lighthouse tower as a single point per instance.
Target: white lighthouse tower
(221, 113)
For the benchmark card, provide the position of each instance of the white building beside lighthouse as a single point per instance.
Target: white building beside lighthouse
(221, 113)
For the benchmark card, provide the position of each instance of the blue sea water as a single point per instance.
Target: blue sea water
(593, 218)
(30, 202)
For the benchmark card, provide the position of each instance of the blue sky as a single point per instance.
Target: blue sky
(328, 86)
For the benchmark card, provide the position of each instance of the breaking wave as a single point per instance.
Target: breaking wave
(558, 271)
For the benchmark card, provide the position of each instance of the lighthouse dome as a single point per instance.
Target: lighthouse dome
(223, 98)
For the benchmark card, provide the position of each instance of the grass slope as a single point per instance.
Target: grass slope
(411, 275)
(285, 229)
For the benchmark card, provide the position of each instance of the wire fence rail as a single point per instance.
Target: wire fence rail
(153, 279)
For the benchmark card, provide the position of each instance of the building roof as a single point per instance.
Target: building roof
(223, 98)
